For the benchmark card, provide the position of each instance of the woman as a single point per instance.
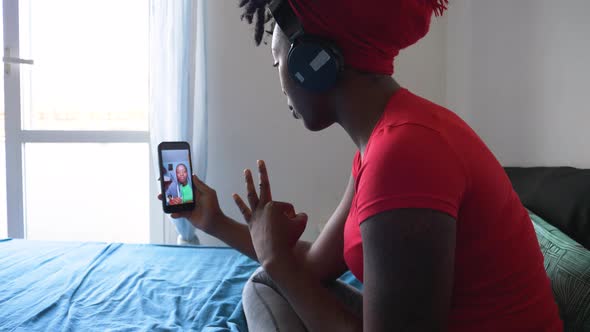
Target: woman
(429, 222)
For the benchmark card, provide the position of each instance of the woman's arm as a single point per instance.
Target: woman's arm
(409, 259)
(237, 236)
(323, 257)
(408, 277)
(317, 307)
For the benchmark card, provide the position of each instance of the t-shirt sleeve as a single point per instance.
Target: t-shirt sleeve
(410, 166)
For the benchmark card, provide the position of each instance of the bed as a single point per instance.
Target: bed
(58, 286)
(74, 286)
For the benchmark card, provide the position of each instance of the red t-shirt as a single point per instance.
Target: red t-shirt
(421, 155)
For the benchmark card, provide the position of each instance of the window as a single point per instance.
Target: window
(91, 64)
(77, 120)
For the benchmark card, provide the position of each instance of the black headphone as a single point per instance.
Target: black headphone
(314, 62)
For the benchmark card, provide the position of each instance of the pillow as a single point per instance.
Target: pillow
(568, 266)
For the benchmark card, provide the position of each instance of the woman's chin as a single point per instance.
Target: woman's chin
(314, 126)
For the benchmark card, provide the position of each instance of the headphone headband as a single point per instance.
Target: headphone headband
(286, 19)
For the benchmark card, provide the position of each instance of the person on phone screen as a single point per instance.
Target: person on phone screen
(180, 191)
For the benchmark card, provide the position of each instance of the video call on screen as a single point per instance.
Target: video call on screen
(176, 171)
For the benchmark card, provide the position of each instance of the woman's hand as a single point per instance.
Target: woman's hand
(207, 214)
(274, 226)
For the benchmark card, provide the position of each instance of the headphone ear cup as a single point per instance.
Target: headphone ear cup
(315, 64)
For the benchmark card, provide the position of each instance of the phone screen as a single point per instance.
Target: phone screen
(175, 176)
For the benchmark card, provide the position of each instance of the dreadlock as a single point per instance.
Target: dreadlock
(255, 12)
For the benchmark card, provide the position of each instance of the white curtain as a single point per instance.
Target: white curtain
(177, 84)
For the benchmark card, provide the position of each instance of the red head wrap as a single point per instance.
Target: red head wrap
(370, 33)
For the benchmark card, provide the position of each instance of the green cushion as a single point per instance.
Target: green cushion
(568, 266)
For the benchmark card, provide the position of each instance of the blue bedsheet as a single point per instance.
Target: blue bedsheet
(51, 286)
(61, 286)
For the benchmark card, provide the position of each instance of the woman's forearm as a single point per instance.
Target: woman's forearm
(319, 309)
(237, 236)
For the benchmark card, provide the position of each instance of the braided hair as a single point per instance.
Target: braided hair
(255, 12)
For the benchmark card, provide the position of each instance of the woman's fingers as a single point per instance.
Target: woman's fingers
(200, 185)
(283, 208)
(246, 212)
(265, 193)
(251, 190)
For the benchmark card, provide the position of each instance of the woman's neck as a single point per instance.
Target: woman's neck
(361, 104)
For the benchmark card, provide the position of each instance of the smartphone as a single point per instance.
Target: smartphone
(176, 183)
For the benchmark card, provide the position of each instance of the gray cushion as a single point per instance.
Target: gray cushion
(568, 266)
(560, 195)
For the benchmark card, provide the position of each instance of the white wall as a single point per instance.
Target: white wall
(249, 119)
(518, 72)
